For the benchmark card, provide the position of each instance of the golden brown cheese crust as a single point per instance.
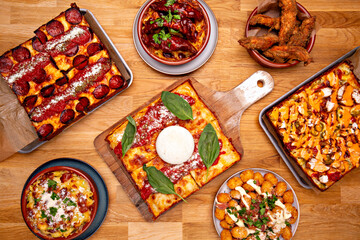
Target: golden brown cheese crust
(318, 125)
(190, 180)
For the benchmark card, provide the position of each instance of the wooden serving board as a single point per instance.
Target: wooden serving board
(227, 106)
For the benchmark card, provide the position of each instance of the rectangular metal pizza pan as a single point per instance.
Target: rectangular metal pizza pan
(115, 56)
(271, 133)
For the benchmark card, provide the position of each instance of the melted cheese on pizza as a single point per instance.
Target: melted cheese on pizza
(187, 177)
(61, 74)
(318, 125)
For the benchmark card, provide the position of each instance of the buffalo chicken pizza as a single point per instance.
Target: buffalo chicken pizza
(59, 204)
(172, 147)
(61, 74)
(319, 125)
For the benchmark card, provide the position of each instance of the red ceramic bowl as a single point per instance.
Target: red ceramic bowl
(262, 60)
(52, 169)
(186, 60)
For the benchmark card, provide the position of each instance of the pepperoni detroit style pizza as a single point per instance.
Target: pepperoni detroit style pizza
(193, 172)
(61, 74)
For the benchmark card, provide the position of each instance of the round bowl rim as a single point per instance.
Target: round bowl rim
(173, 63)
(266, 62)
(52, 169)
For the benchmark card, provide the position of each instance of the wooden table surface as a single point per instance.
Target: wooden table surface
(333, 214)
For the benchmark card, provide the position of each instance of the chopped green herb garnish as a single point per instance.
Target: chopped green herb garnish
(43, 215)
(168, 17)
(161, 36)
(156, 38)
(36, 200)
(254, 181)
(160, 22)
(176, 17)
(54, 196)
(252, 207)
(258, 224)
(169, 44)
(262, 211)
(242, 211)
(52, 184)
(53, 211)
(63, 230)
(253, 200)
(68, 202)
(257, 238)
(62, 216)
(173, 31)
(287, 223)
(169, 2)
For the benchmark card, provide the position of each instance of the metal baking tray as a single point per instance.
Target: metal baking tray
(271, 133)
(115, 56)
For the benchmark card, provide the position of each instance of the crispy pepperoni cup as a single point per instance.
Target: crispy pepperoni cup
(261, 59)
(78, 172)
(171, 61)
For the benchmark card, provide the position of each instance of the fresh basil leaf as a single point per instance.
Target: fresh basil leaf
(209, 147)
(169, 2)
(159, 181)
(177, 105)
(129, 135)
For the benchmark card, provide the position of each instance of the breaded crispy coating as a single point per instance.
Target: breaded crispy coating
(287, 20)
(283, 54)
(259, 43)
(301, 37)
(261, 19)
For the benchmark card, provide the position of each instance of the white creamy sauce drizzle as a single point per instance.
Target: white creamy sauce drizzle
(279, 220)
(242, 194)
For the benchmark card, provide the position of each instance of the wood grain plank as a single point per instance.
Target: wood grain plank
(330, 215)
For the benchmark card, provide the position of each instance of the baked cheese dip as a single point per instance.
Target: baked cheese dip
(59, 204)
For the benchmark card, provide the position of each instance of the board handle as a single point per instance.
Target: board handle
(254, 88)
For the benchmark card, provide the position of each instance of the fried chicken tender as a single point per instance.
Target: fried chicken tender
(283, 54)
(259, 43)
(301, 37)
(287, 20)
(261, 19)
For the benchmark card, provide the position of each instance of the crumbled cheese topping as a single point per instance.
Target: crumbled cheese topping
(60, 43)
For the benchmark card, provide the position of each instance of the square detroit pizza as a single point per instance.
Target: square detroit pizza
(158, 128)
(62, 73)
